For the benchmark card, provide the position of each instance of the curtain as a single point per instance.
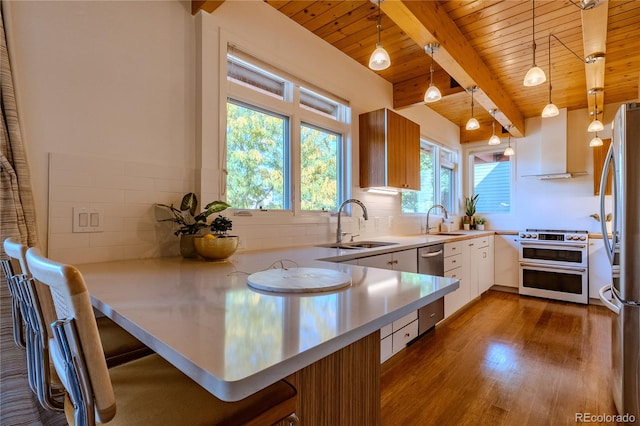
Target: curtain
(17, 209)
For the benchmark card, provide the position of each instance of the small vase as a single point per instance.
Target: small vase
(216, 247)
(187, 247)
(480, 227)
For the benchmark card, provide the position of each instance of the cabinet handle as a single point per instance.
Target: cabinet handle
(407, 335)
(432, 315)
(471, 245)
(484, 254)
(454, 261)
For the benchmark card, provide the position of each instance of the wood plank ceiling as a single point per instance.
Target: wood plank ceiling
(487, 43)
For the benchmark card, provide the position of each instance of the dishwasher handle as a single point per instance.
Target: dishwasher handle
(431, 253)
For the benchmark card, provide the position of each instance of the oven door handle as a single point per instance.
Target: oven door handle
(580, 246)
(549, 267)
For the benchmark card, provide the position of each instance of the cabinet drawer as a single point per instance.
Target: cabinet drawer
(430, 315)
(481, 242)
(452, 262)
(386, 330)
(386, 348)
(404, 336)
(454, 273)
(451, 249)
(398, 324)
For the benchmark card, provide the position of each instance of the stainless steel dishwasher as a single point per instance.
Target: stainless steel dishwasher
(431, 262)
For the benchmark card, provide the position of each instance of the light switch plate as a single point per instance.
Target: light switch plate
(87, 219)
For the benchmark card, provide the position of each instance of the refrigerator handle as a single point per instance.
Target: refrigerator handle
(607, 302)
(608, 244)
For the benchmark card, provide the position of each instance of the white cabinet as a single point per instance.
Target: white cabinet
(456, 265)
(484, 262)
(599, 267)
(506, 261)
(395, 336)
(471, 261)
(405, 260)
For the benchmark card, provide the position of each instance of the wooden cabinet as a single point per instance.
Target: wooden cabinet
(389, 151)
(506, 260)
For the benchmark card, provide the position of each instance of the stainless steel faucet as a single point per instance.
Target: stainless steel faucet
(446, 214)
(339, 233)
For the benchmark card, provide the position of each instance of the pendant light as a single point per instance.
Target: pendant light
(472, 124)
(433, 93)
(379, 59)
(596, 141)
(535, 75)
(596, 125)
(550, 110)
(494, 139)
(509, 151)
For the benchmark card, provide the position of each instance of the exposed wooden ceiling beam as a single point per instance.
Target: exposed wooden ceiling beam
(411, 91)
(206, 5)
(426, 22)
(594, 40)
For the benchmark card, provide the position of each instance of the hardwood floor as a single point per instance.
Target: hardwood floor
(506, 360)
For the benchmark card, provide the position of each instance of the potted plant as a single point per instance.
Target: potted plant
(190, 222)
(480, 221)
(470, 210)
(217, 245)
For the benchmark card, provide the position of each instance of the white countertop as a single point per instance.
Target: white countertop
(233, 340)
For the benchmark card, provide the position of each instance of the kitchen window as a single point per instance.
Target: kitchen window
(437, 181)
(491, 173)
(285, 141)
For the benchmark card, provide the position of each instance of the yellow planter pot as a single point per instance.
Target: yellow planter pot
(216, 247)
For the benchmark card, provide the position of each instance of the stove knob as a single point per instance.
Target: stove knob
(583, 238)
(522, 236)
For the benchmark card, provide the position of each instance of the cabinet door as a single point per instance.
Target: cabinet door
(396, 153)
(486, 275)
(382, 261)
(412, 155)
(474, 267)
(458, 298)
(506, 262)
(406, 260)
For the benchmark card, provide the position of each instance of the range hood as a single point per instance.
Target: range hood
(553, 149)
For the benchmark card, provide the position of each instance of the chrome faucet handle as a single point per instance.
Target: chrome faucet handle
(353, 236)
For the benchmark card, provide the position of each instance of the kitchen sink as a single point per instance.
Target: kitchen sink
(355, 245)
(452, 233)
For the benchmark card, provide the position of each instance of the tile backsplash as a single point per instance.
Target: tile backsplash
(126, 192)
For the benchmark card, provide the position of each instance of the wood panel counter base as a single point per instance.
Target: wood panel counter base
(342, 388)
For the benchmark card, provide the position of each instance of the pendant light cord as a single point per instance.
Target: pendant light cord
(550, 67)
(378, 26)
(533, 21)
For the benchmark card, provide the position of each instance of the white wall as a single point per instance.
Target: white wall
(105, 80)
(134, 86)
(558, 203)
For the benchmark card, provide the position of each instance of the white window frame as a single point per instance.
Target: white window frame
(298, 114)
(469, 179)
(435, 148)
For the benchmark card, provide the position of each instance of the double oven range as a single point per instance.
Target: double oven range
(554, 264)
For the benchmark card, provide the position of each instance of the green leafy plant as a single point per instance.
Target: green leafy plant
(470, 205)
(221, 225)
(185, 216)
(480, 220)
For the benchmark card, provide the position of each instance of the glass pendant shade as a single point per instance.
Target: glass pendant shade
(472, 124)
(596, 141)
(432, 94)
(534, 76)
(379, 59)
(494, 140)
(595, 126)
(509, 151)
(550, 110)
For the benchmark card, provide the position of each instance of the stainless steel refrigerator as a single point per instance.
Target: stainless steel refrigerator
(623, 249)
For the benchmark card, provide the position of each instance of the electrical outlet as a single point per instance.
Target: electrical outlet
(88, 219)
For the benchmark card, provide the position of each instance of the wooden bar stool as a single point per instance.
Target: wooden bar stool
(148, 391)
